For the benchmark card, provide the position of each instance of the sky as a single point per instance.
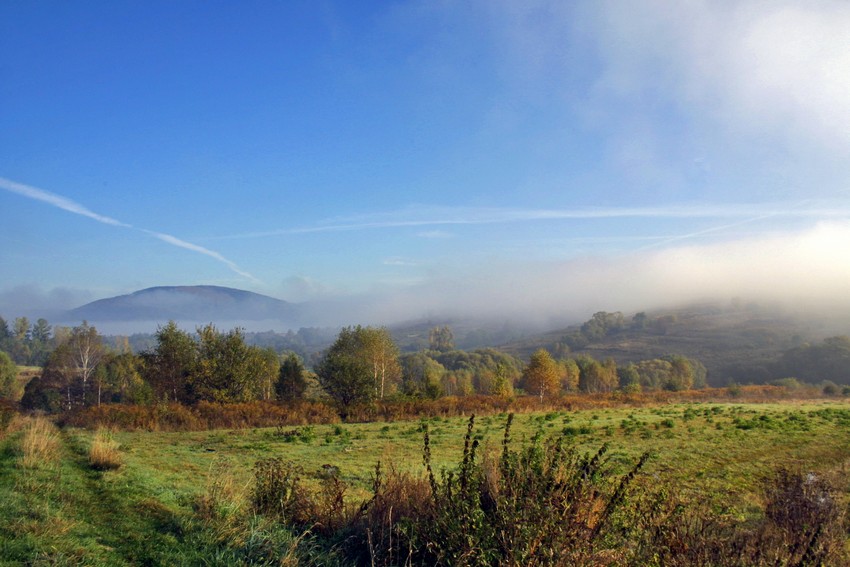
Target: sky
(426, 158)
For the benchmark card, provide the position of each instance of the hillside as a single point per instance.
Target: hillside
(734, 344)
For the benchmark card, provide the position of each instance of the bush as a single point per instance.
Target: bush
(802, 525)
(541, 505)
(278, 492)
(227, 531)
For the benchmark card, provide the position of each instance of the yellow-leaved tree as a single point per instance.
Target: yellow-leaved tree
(542, 375)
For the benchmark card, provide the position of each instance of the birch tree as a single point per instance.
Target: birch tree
(542, 376)
(86, 350)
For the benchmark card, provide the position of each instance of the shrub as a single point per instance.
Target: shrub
(229, 532)
(804, 510)
(104, 454)
(278, 492)
(802, 525)
(543, 504)
(830, 388)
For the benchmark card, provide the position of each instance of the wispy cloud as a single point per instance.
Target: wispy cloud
(447, 216)
(73, 207)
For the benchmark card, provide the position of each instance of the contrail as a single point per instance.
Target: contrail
(173, 240)
(796, 210)
(73, 207)
(57, 201)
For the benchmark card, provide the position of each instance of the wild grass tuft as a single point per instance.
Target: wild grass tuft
(104, 454)
(39, 443)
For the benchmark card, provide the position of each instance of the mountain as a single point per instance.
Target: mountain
(201, 303)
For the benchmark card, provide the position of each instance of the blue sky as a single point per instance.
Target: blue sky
(427, 157)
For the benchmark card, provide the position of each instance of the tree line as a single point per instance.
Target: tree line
(211, 366)
(363, 364)
(27, 344)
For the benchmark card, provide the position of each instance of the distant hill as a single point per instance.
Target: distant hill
(734, 344)
(201, 303)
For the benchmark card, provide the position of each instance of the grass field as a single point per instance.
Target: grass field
(59, 509)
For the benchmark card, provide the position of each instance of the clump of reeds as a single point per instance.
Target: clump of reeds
(39, 443)
(104, 454)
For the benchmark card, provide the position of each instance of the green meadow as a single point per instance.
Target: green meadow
(60, 509)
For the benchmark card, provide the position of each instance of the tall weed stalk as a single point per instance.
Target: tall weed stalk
(542, 504)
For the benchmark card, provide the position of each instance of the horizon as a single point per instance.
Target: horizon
(401, 160)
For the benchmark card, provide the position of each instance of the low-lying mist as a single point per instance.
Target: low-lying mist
(805, 272)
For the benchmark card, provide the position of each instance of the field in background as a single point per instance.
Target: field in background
(63, 510)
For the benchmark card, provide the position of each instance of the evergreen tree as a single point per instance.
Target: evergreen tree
(292, 381)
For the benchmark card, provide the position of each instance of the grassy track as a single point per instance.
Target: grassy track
(63, 512)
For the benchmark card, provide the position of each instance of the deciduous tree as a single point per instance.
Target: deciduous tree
(595, 376)
(167, 367)
(441, 339)
(268, 367)
(86, 350)
(502, 384)
(344, 372)
(422, 375)
(227, 369)
(124, 379)
(541, 377)
(381, 352)
(569, 375)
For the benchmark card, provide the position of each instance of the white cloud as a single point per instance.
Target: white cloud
(761, 68)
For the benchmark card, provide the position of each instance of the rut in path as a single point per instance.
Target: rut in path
(127, 523)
